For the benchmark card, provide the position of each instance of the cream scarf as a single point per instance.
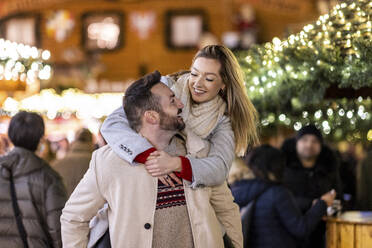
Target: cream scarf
(201, 119)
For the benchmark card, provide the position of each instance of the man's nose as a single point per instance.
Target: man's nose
(179, 104)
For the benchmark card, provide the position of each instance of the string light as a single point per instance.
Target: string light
(339, 43)
(51, 104)
(19, 61)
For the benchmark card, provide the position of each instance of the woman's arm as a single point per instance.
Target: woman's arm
(209, 171)
(122, 139)
(214, 169)
(291, 217)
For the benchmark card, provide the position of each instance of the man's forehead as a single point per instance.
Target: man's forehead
(162, 90)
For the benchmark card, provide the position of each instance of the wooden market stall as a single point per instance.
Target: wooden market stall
(351, 230)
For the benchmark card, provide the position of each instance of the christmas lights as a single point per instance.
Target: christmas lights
(287, 80)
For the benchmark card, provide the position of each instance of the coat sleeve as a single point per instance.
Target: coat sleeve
(82, 206)
(122, 139)
(55, 200)
(291, 217)
(214, 169)
(227, 213)
(304, 203)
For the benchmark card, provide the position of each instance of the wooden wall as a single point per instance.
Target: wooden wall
(273, 16)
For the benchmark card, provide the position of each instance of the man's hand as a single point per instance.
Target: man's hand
(160, 163)
(167, 180)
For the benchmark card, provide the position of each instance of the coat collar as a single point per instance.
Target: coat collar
(20, 161)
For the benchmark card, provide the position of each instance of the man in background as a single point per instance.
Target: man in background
(312, 169)
(76, 162)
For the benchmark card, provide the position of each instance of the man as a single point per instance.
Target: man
(142, 211)
(312, 170)
(73, 167)
(38, 189)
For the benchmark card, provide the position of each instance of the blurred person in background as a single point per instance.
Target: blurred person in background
(99, 141)
(312, 169)
(62, 148)
(76, 162)
(277, 220)
(365, 183)
(239, 171)
(45, 151)
(5, 144)
(32, 193)
(348, 175)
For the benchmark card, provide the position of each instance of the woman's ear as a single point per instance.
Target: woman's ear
(151, 117)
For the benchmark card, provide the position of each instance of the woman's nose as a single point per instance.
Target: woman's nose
(198, 81)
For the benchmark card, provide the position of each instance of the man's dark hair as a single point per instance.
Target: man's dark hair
(139, 98)
(26, 129)
(265, 160)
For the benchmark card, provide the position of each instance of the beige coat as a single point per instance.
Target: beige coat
(131, 194)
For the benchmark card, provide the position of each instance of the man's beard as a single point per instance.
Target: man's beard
(171, 123)
(308, 157)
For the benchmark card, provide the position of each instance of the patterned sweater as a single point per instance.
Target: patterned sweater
(171, 224)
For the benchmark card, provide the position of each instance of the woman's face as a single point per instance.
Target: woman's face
(205, 81)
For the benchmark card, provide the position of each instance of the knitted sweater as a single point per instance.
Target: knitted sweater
(171, 223)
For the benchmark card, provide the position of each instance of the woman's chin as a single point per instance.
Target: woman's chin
(200, 98)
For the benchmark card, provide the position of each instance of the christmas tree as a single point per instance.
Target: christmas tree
(287, 80)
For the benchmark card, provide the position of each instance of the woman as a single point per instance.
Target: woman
(277, 221)
(216, 109)
(29, 187)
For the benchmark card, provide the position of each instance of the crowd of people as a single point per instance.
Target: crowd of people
(161, 180)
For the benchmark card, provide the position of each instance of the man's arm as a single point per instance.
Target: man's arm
(227, 213)
(83, 204)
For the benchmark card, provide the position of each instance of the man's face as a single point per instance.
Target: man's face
(170, 117)
(308, 147)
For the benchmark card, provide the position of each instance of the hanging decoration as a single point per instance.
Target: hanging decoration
(143, 22)
(59, 25)
(286, 78)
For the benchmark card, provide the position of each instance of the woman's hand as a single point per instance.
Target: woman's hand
(167, 180)
(160, 163)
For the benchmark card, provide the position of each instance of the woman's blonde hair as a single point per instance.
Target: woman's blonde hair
(241, 111)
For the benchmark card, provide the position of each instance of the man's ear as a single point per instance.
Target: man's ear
(151, 117)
